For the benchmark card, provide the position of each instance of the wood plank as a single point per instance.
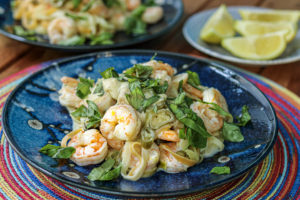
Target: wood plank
(277, 4)
(8, 51)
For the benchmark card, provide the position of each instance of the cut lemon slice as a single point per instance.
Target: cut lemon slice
(270, 16)
(248, 28)
(262, 47)
(218, 26)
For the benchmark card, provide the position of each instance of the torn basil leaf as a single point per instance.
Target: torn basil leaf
(99, 89)
(19, 30)
(232, 132)
(88, 6)
(138, 71)
(220, 170)
(80, 112)
(112, 174)
(75, 40)
(83, 87)
(133, 23)
(245, 117)
(98, 172)
(103, 38)
(75, 17)
(57, 151)
(111, 3)
(193, 78)
(76, 3)
(109, 73)
(227, 116)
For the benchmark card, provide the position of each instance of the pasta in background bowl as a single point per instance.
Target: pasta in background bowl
(35, 104)
(88, 25)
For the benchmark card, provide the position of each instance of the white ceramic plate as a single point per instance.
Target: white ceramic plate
(196, 22)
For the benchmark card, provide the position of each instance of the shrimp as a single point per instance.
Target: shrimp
(166, 133)
(212, 120)
(120, 122)
(60, 29)
(91, 146)
(213, 95)
(118, 21)
(152, 14)
(67, 93)
(132, 4)
(162, 71)
(103, 102)
(192, 92)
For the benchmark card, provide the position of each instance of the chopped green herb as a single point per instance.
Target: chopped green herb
(75, 40)
(133, 24)
(88, 6)
(112, 174)
(220, 170)
(99, 89)
(182, 134)
(232, 132)
(98, 172)
(245, 117)
(153, 57)
(149, 3)
(76, 3)
(80, 112)
(155, 85)
(57, 151)
(83, 87)
(193, 78)
(19, 30)
(111, 3)
(138, 71)
(109, 73)
(180, 99)
(103, 38)
(147, 137)
(75, 17)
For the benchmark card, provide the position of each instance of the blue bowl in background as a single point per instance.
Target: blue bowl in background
(173, 11)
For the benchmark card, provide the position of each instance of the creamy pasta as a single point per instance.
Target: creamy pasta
(146, 119)
(75, 22)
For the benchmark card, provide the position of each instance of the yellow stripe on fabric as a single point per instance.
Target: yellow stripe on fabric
(257, 181)
(45, 180)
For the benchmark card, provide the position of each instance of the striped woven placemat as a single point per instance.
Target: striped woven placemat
(277, 176)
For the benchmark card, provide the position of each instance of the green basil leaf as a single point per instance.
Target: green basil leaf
(232, 132)
(180, 99)
(111, 3)
(112, 174)
(109, 73)
(182, 117)
(75, 40)
(138, 11)
(88, 6)
(103, 38)
(80, 112)
(147, 102)
(76, 3)
(193, 78)
(75, 17)
(182, 134)
(138, 71)
(57, 151)
(161, 89)
(29, 35)
(98, 172)
(153, 57)
(149, 3)
(220, 170)
(83, 87)
(245, 117)
(99, 89)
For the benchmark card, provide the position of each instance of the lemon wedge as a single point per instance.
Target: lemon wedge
(270, 16)
(218, 26)
(261, 47)
(248, 28)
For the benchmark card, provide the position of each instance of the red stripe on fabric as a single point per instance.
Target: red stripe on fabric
(20, 74)
(29, 191)
(9, 180)
(2, 196)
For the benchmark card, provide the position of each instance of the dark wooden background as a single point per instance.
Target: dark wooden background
(16, 56)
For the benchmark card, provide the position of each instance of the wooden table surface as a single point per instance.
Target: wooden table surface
(16, 56)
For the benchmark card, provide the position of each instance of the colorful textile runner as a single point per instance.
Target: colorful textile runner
(276, 177)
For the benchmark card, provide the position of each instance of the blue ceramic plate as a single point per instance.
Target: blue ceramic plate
(173, 10)
(195, 23)
(33, 117)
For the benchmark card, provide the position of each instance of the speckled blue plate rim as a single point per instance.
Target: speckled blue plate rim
(86, 48)
(219, 64)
